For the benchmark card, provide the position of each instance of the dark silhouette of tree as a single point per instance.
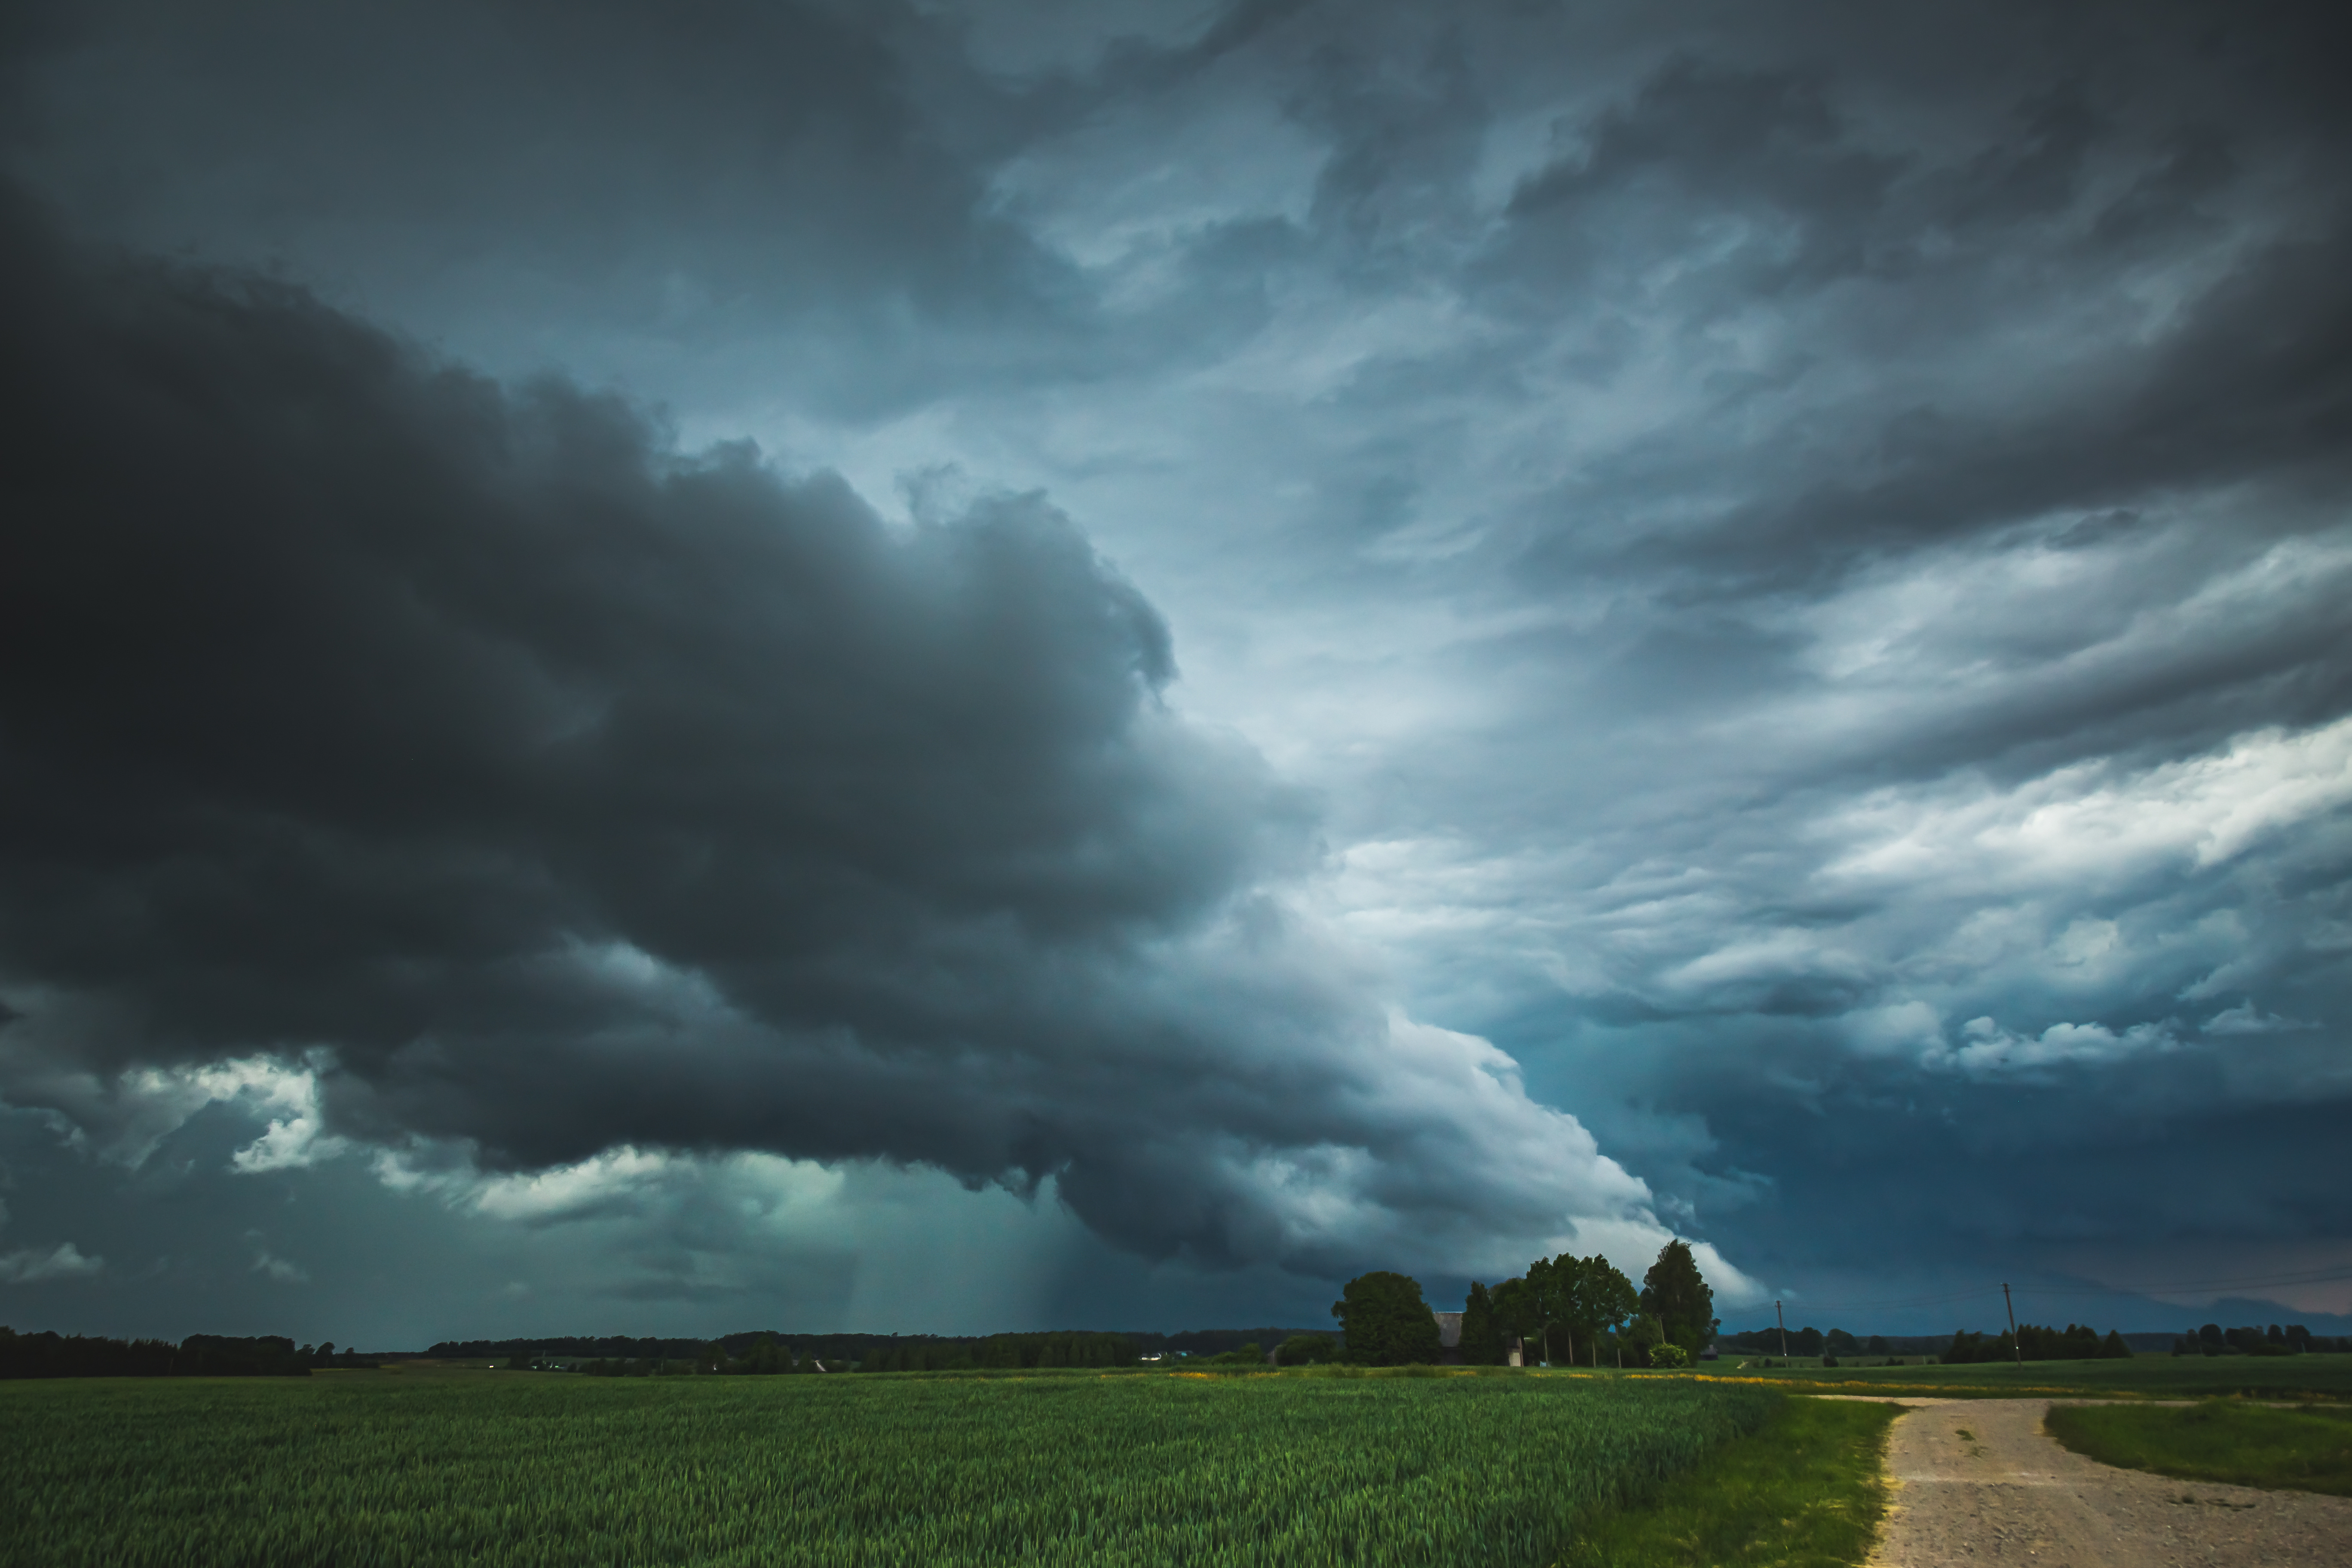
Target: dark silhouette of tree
(1675, 1293)
(1594, 1298)
(1517, 1319)
(1482, 1337)
(1385, 1322)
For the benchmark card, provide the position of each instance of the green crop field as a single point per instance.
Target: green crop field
(500, 1468)
(2218, 1440)
(1804, 1490)
(2313, 1377)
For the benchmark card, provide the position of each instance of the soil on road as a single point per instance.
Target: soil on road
(1977, 1482)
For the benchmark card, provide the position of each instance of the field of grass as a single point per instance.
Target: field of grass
(2242, 1444)
(1804, 1490)
(521, 1468)
(2302, 1377)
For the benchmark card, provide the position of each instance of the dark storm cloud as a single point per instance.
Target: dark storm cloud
(1984, 438)
(695, 178)
(1785, 198)
(568, 791)
(1802, 548)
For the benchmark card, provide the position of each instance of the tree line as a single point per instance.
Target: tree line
(1567, 1310)
(2249, 1340)
(2034, 1341)
(1812, 1341)
(48, 1355)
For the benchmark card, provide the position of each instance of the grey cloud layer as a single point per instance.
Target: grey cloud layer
(1802, 548)
(571, 792)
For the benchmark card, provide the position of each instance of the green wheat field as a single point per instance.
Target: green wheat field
(1077, 1468)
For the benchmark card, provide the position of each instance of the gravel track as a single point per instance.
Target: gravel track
(1978, 1481)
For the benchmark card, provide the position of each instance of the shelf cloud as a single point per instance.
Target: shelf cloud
(422, 759)
(673, 660)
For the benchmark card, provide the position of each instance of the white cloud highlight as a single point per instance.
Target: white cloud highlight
(33, 1267)
(2091, 821)
(2245, 1018)
(1988, 1050)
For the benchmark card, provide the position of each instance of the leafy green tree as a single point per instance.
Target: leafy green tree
(1643, 1338)
(1593, 1299)
(1305, 1350)
(1670, 1357)
(1385, 1322)
(1675, 1293)
(1482, 1340)
(1517, 1319)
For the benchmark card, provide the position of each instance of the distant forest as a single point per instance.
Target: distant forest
(47, 1354)
(2074, 1343)
(758, 1350)
(199, 1356)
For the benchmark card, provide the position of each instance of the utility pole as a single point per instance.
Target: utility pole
(1784, 1330)
(2013, 1345)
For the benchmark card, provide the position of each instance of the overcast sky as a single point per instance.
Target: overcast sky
(950, 666)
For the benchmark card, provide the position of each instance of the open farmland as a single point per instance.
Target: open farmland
(497, 1468)
(2315, 1377)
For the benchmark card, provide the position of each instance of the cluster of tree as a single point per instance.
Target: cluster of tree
(47, 1354)
(1566, 1309)
(626, 1366)
(612, 1347)
(1198, 1342)
(1812, 1341)
(1297, 1349)
(1006, 1351)
(891, 1352)
(2292, 1340)
(2075, 1341)
(1582, 1310)
(764, 1354)
(917, 1351)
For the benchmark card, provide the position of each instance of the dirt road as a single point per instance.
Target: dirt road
(1977, 1482)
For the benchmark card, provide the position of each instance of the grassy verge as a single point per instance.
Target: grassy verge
(1804, 1490)
(2241, 1445)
